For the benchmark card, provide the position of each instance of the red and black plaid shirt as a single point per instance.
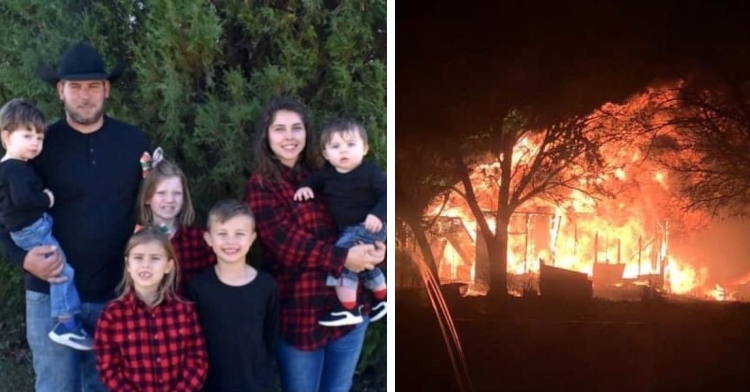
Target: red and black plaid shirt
(298, 240)
(193, 254)
(142, 349)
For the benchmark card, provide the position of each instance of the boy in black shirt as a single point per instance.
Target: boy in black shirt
(23, 205)
(355, 193)
(237, 305)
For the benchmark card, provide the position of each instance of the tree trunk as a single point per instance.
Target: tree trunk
(414, 222)
(483, 226)
(499, 244)
(424, 246)
(498, 251)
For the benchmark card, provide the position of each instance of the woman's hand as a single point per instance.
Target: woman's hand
(365, 257)
(379, 251)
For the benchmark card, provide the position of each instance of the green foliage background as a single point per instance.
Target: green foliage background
(198, 73)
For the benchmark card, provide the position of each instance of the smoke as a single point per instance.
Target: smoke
(723, 247)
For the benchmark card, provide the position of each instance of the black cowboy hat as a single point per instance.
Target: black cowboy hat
(80, 62)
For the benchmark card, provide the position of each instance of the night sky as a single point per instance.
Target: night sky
(566, 57)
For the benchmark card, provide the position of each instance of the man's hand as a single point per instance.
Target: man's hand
(45, 263)
(373, 224)
(304, 193)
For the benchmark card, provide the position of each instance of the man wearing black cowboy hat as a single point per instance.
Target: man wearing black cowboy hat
(91, 164)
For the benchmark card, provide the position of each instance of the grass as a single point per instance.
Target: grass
(17, 375)
(372, 380)
(15, 358)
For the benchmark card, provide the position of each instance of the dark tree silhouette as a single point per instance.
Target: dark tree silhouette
(704, 137)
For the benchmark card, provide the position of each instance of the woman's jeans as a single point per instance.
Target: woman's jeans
(328, 369)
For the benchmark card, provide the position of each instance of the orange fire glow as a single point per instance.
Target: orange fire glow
(634, 229)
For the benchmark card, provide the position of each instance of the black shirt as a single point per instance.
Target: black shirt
(240, 324)
(22, 200)
(95, 179)
(351, 196)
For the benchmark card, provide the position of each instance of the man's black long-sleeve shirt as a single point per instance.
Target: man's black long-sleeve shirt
(351, 196)
(95, 179)
(22, 196)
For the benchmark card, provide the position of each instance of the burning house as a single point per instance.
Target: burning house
(615, 231)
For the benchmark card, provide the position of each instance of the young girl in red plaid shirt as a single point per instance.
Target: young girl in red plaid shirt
(148, 339)
(164, 201)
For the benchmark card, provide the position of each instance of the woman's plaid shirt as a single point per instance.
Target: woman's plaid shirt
(298, 240)
(142, 349)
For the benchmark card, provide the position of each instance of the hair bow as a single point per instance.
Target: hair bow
(148, 162)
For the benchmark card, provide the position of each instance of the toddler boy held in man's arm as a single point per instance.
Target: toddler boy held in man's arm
(355, 193)
(23, 205)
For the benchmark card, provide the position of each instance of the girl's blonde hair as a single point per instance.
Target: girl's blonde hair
(160, 171)
(150, 234)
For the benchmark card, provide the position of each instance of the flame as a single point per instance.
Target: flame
(718, 293)
(632, 231)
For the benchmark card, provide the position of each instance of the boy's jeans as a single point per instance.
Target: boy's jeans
(348, 238)
(64, 297)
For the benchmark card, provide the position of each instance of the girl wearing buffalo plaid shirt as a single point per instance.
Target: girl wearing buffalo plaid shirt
(164, 201)
(298, 242)
(148, 339)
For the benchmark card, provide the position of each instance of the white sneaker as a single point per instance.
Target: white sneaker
(341, 316)
(378, 311)
(76, 338)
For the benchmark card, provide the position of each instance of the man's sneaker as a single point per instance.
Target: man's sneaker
(378, 311)
(75, 338)
(341, 316)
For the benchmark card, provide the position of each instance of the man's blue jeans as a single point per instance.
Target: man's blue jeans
(328, 369)
(65, 299)
(348, 238)
(60, 368)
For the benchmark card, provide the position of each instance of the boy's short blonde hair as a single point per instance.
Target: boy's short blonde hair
(228, 209)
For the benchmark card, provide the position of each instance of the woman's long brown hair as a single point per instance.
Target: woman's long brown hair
(266, 163)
